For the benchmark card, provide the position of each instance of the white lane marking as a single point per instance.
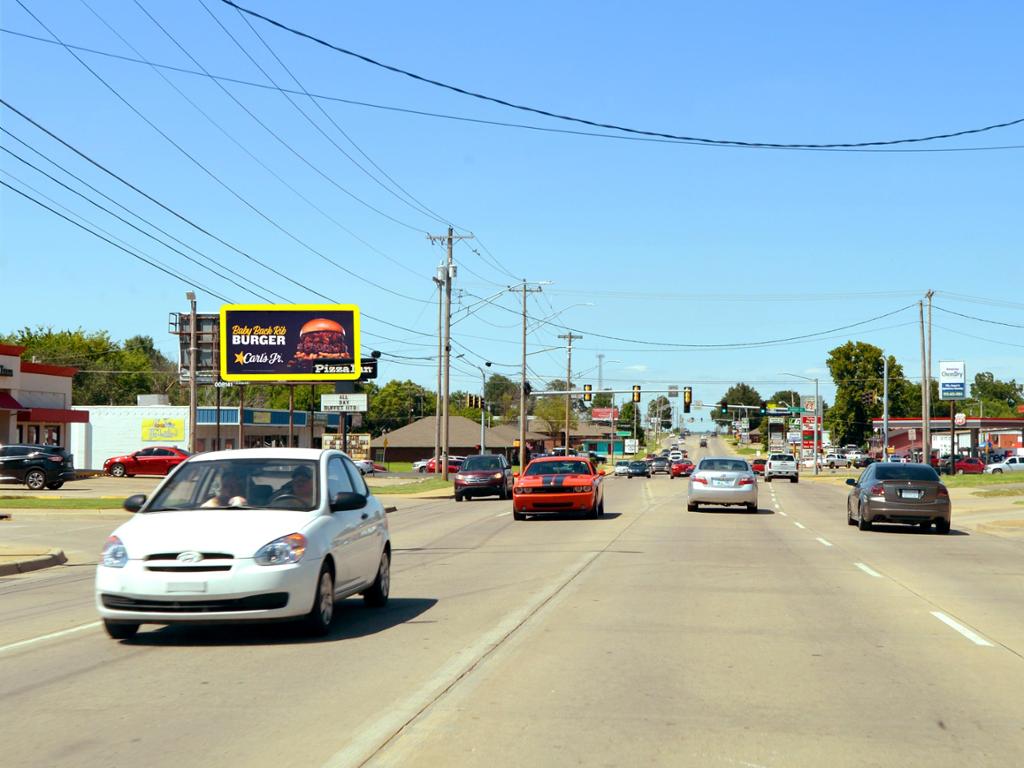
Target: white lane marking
(502, 514)
(799, 525)
(869, 570)
(51, 636)
(824, 541)
(375, 735)
(970, 634)
(783, 513)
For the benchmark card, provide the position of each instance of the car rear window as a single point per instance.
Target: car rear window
(481, 462)
(723, 465)
(905, 472)
(781, 457)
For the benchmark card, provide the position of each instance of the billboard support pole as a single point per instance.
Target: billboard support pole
(240, 442)
(218, 419)
(291, 415)
(192, 354)
(312, 413)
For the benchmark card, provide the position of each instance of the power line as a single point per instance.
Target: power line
(210, 173)
(130, 224)
(409, 199)
(256, 159)
(502, 123)
(979, 338)
(612, 126)
(979, 319)
(187, 281)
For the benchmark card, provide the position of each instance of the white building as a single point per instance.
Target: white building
(35, 400)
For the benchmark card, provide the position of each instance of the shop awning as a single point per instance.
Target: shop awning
(8, 403)
(53, 416)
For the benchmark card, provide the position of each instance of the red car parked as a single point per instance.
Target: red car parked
(969, 466)
(158, 460)
(454, 462)
(681, 468)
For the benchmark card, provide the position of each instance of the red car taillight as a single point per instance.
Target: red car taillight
(746, 481)
(877, 490)
(699, 479)
(54, 458)
(942, 492)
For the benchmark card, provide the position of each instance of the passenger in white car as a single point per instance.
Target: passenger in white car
(232, 486)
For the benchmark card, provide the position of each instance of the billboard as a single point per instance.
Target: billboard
(163, 430)
(289, 342)
(604, 414)
(952, 380)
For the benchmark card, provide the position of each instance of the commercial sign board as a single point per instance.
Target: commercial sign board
(163, 430)
(344, 403)
(289, 342)
(630, 445)
(952, 380)
(604, 414)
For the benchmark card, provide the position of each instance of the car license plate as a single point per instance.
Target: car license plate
(911, 493)
(186, 586)
(721, 483)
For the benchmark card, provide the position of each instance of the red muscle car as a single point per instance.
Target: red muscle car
(555, 484)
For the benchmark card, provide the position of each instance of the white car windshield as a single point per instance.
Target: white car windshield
(241, 484)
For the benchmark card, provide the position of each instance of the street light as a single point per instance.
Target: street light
(815, 380)
(483, 399)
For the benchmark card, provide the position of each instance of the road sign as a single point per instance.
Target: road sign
(624, 433)
(952, 380)
(795, 411)
(673, 391)
(343, 403)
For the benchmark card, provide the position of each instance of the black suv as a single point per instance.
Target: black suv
(37, 466)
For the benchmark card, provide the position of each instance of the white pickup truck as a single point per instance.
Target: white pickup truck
(781, 465)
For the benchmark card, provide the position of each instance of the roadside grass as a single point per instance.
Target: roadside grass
(31, 502)
(416, 486)
(396, 466)
(1000, 492)
(975, 481)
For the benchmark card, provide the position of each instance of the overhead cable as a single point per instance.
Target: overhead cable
(979, 319)
(612, 126)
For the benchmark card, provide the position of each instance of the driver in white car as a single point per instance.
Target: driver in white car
(300, 486)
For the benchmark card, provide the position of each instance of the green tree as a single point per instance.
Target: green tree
(550, 411)
(627, 418)
(857, 370)
(603, 400)
(786, 397)
(398, 403)
(1000, 398)
(660, 408)
(502, 394)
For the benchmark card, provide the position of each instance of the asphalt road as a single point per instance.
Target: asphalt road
(654, 636)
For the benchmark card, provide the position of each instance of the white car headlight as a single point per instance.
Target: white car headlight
(287, 549)
(460, 476)
(114, 553)
(497, 476)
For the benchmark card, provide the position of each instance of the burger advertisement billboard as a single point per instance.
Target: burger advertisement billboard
(289, 342)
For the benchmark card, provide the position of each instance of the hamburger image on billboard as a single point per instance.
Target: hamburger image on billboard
(289, 342)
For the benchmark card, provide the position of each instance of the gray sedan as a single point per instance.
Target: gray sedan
(722, 481)
(898, 493)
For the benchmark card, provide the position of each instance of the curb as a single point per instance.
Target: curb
(1002, 527)
(51, 558)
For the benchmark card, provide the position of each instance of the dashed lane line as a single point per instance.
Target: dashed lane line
(826, 542)
(799, 525)
(783, 513)
(970, 634)
(50, 636)
(869, 570)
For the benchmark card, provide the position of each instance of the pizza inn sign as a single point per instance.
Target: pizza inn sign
(294, 342)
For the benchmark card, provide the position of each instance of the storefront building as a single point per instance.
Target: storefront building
(35, 400)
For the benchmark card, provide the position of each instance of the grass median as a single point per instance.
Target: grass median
(981, 481)
(416, 486)
(32, 502)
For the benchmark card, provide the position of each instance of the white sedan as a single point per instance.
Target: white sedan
(365, 466)
(247, 535)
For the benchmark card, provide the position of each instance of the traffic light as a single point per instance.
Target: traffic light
(687, 398)
(527, 388)
(763, 408)
(588, 393)
(636, 393)
(723, 407)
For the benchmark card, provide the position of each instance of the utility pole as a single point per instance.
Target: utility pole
(925, 387)
(928, 429)
(885, 406)
(192, 355)
(522, 384)
(449, 275)
(439, 281)
(568, 383)
(600, 371)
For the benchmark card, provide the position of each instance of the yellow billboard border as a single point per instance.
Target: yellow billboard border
(356, 343)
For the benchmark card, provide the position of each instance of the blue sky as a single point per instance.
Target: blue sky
(640, 240)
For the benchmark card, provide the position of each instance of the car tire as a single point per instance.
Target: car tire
(118, 470)
(942, 527)
(997, 471)
(120, 630)
(925, 526)
(794, 480)
(592, 512)
(849, 515)
(692, 507)
(862, 523)
(751, 507)
(35, 479)
(318, 620)
(600, 508)
(517, 515)
(959, 471)
(458, 497)
(377, 595)
(55, 485)
(767, 478)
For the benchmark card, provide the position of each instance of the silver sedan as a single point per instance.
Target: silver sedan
(722, 481)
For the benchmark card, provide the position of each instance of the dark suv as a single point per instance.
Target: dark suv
(37, 466)
(483, 475)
